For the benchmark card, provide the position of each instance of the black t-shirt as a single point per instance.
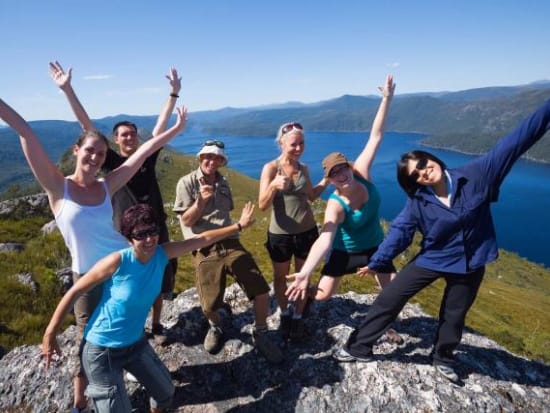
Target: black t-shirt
(141, 188)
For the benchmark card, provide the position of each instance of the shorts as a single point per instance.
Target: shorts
(83, 308)
(281, 247)
(214, 263)
(341, 263)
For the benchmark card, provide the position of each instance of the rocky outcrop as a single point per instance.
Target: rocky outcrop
(238, 379)
(25, 206)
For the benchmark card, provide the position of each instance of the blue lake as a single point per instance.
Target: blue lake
(521, 216)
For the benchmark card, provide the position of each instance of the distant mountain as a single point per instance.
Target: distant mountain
(467, 121)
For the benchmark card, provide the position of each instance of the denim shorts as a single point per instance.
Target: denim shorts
(104, 368)
(282, 247)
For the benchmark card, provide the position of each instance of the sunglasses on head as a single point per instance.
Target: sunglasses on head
(144, 233)
(289, 126)
(212, 142)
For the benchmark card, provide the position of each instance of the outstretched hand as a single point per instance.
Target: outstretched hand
(50, 348)
(61, 78)
(298, 289)
(364, 271)
(247, 215)
(175, 81)
(388, 89)
(181, 119)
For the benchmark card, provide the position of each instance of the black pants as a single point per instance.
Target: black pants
(460, 293)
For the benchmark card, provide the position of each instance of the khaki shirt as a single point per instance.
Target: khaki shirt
(216, 213)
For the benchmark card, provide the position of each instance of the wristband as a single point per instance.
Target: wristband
(174, 95)
(239, 226)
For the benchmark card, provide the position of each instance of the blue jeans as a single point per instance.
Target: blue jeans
(104, 369)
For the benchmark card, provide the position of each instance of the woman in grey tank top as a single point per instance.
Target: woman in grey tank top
(285, 186)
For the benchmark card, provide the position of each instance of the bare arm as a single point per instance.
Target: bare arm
(101, 271)
(314, 192)
(177, 248)
(271, 181)
(365, 159)
(117, 178)
(46, 172)
(168, 108)
(334, 215)
(63, 80)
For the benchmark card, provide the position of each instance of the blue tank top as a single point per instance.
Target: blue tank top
(361, 229)
(119, 318)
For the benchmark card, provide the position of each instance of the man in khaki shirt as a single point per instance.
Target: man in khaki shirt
(204, 202)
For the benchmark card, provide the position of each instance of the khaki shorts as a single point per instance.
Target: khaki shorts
(214, 263)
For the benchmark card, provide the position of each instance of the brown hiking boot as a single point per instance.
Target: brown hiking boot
(265, 346)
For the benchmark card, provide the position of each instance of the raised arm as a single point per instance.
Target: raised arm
(365, 159)
(102, 270)
(334, 215)
(177, 248)
(46, 172)
(63, 80)
(117, 178)
(168, 108)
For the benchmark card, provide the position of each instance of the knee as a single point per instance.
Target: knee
(165, 400)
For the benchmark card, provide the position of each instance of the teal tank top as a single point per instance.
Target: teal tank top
(361, 229)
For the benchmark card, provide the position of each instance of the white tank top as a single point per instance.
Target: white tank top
(88, 230)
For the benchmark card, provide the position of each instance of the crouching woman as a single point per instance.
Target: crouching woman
(114, 336)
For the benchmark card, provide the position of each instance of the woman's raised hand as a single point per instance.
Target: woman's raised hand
(61, 78)
(247, 215)
(388, 89)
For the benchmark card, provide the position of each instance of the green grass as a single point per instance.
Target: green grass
(511, 307)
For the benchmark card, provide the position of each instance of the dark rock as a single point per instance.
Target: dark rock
(239, 379)
(11, 247)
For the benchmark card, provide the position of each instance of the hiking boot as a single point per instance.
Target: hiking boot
(265, 346)
(342, 355)
(213, 341)
(393, 337)
(448, 372)
(285, 325)
(297, 329)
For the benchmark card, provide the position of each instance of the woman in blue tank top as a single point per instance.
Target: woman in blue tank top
(114, 336)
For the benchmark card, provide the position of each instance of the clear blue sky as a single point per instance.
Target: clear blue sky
(245, 53)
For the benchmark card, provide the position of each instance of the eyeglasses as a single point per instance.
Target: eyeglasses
(144, 233)
(211, 142)
(289, 126)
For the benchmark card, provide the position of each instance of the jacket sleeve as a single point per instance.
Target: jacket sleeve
(399, 237)
(496, 164)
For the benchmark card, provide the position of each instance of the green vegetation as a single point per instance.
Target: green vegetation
(511, 307)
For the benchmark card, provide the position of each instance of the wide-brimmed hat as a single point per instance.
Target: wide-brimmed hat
(213, 148)
(333, 159)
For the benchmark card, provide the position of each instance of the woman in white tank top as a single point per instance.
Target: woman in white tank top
(80, 202)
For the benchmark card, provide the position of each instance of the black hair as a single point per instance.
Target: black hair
(140, 214)
(409, 181)
(124, 123)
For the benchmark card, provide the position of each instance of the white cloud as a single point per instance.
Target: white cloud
(393, 65)
(97, 77)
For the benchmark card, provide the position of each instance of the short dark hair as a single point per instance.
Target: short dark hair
(408, 182)
(140, 214)
(124, 123)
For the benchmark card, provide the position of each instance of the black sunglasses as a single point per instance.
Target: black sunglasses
(289, 126)
(420, 166)
(144, 233)
(212, 142)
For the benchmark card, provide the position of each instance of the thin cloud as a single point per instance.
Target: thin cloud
(98, 77)
(393, 65)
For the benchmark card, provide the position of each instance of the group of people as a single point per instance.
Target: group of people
(124, 264)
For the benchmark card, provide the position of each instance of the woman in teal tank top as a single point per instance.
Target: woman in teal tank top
(351, 229)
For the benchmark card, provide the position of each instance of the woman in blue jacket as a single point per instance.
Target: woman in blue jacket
(450, 208)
